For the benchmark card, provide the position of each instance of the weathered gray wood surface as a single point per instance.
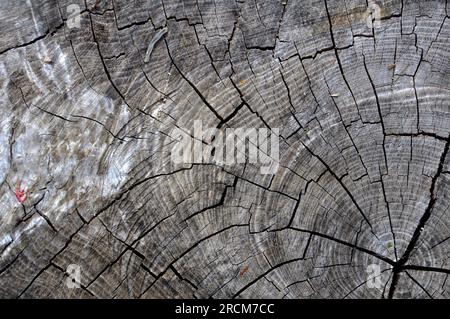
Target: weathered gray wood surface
(364, 176)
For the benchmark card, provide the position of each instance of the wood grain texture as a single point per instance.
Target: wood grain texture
(364, 174)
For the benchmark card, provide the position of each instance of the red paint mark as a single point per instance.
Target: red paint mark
(244, 270)
(21, 195)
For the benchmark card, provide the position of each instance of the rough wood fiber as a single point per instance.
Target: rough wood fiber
(364, 175)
